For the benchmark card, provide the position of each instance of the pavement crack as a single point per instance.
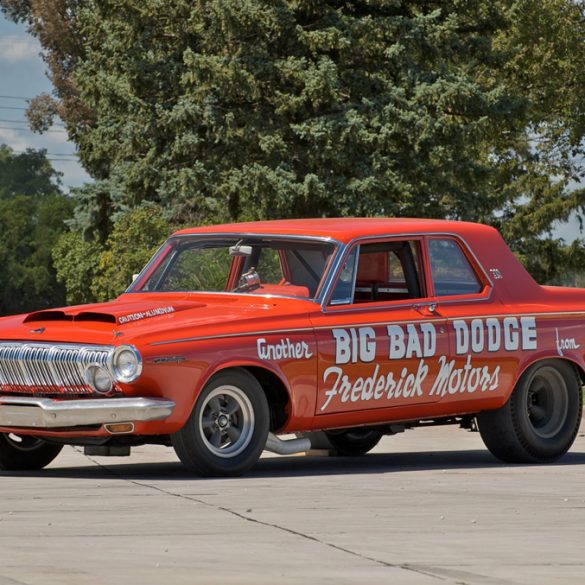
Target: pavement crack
(291, 531)
(5, 580)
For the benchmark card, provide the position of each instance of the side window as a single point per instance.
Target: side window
(451, 272)
(343, 291)
(388, 271)
(197, 269)
(268, 266)
(306, 265)
(382, 272)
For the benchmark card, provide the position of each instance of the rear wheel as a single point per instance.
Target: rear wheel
(354, 442)
(21, 453)
(540, 420)
(227, 430)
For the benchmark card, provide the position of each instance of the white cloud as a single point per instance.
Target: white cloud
(14, 139)
(16, 49)
(56, 144)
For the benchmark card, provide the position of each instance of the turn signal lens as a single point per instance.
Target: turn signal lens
(120, 428)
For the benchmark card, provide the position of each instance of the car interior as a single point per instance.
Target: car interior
(388, 271)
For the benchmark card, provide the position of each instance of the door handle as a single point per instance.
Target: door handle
(426, 308)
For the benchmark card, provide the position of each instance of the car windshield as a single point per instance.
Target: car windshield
(247, 264)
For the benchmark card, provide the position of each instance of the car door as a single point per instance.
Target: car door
(379, 333)
(486, 339)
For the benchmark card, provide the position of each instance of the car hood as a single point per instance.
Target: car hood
(147, 317)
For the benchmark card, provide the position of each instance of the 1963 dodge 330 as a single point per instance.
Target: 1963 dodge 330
(235, 334)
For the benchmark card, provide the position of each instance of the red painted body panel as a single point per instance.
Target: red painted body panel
(341, 366)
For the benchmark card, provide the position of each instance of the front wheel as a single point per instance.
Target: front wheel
(354, 442)
(227, 430)
(540, 420)
(23, 453)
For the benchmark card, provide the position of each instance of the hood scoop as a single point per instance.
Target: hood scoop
(47, 316)
(93, 316)
(62, 316)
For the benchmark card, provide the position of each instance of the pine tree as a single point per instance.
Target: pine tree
(242, 109)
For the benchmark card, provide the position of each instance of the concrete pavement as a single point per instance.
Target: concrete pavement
(429, 506)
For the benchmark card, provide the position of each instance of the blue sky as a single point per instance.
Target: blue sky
(22, 75)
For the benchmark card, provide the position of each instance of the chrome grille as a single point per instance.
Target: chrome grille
(49, 368)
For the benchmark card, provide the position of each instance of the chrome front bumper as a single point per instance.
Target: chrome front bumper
(45, 413)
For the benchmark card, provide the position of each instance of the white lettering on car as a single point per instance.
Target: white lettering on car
(512, 334)
(145, 314)
(377, 386)
(283, 350)
(354, 345)
(453, 380)
(408, 345)
(418, 342)
(567, 343)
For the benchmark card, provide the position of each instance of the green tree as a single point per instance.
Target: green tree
(30, 223)
(28, 173)
(97, 206)
(134, 239)
(93, 272)
(76, 262)
(241, 109)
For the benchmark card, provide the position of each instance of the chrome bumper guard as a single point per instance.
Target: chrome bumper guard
(45, 413)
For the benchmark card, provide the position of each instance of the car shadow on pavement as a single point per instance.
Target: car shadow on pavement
(297, 466)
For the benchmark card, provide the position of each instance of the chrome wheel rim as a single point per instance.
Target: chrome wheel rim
(547, 402)
(23, 443)
(226, 421)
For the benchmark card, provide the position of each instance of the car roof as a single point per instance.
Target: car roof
(343, 229)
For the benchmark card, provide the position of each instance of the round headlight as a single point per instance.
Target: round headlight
(99, 379)
(126, 364)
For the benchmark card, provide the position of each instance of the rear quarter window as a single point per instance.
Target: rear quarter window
(451, 272)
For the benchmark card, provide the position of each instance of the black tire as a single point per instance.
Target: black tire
(227, 430)
(353, 442)
(541, 419)
(23, 453)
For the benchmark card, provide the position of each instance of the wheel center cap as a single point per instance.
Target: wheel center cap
(222, 421)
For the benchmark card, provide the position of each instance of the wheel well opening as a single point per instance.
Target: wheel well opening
(276, 394)
(580, 373)
(576, 367)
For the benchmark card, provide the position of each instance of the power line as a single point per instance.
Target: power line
(52, 156)
(48, 153)
(14, 97)
(26, 123)
(13, 121)
(29, 130)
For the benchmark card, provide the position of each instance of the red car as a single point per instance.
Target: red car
(235, 334)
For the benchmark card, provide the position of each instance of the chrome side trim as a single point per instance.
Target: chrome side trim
(227, 335)
(45, 413)
(382, 289)
(330, 279)
(395, 305)
(221, 235)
